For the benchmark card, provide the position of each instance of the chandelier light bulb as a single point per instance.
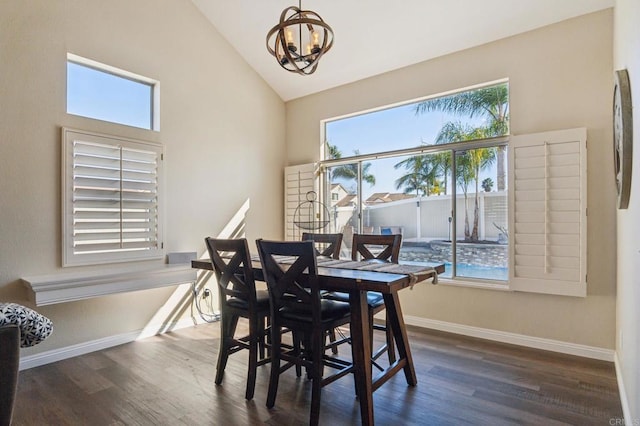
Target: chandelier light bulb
(290, 43)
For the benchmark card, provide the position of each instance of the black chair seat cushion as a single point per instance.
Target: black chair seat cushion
(374, 299)
(329, 309)
(262, 297)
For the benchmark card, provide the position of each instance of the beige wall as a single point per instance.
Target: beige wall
(560, 77)
(626, 55)
(222, 127)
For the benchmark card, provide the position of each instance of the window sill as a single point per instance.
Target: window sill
(60, 288)
(487, 285)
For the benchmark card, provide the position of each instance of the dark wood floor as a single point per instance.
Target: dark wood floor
(168, 380)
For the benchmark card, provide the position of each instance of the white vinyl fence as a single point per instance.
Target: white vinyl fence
(427, 218)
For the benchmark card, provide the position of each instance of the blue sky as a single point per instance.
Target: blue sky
(97, 94)
(384, 130)
(387, 130)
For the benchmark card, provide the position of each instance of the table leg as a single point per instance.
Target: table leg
(394, 317)
(361, 353)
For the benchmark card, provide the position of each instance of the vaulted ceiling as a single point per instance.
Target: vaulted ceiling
(376, 36)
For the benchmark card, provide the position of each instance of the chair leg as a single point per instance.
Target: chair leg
(254, 338)
(296, 351)
(310, 345)
(390, 345)
(276, 338)
(332, 339)
(316, 372)
(261, 338)
(371, 328)
(228, 328)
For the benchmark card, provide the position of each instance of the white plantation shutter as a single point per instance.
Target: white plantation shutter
(298, 180)
(549, 223)
(111, 189)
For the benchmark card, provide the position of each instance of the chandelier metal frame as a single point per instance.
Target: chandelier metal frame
(281, 42)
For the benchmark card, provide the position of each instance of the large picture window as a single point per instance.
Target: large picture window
(499, 210)
(111, 199)
(435, 171)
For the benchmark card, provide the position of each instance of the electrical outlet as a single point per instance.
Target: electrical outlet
(206, 293)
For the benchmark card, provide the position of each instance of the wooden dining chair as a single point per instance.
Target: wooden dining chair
(327, 245)
(238, 299)
(380, 248)
(385, 248)
(296, 305)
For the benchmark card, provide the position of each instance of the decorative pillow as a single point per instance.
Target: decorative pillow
(385, 231)
(34, 328)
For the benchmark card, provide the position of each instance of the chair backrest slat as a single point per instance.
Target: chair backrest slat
(330, 243)
(293, 285)
(389, 252)
(232, 265)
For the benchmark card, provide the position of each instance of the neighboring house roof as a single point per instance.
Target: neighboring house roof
(337, 185)
(346, 201)
(387, 197)
(350, 200)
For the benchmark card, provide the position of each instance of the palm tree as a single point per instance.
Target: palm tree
(469, 164)
(442, 160)
(487, 184)
(349, 171)
(437, 188)
(422, 174)
(481, 158)
(490, 103)
(464, 177)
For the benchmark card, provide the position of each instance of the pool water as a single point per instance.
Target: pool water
(479, 261)
(476, 271)
(465, 270)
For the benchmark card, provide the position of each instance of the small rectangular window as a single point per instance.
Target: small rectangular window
(99, 91)
(111, 199)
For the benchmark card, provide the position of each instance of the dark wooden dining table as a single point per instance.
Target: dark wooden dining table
(356, 279)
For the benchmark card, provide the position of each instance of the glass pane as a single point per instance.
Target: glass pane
(473, 114)
(97, 94)
(482, 214)
(405, 195)
(413, 194)
(409, 197)
(342, 202)
(380, 131)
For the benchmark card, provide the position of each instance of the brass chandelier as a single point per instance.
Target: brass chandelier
(299, 40)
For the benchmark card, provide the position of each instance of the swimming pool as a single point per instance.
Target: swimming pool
(476, 271)
(465, 270)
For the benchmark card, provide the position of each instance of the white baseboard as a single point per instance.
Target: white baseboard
(54, 355)
(513, 338)
(626, 410)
